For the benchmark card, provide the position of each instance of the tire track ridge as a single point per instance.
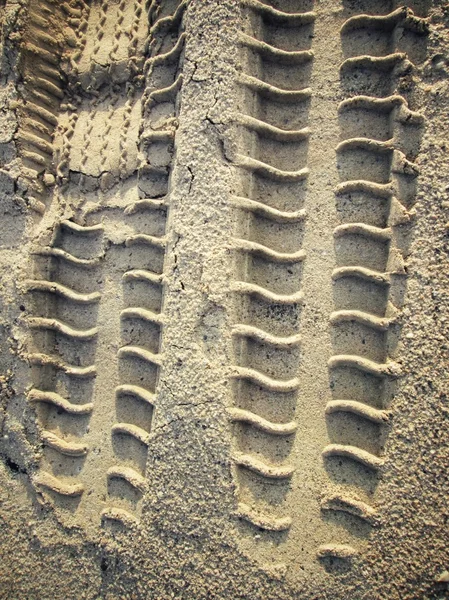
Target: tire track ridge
(161, 62)
(63, 333)
(376, 125)
(67, 132)
(43, 91)
(262, 261)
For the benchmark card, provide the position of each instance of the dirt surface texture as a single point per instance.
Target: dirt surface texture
(224, 299)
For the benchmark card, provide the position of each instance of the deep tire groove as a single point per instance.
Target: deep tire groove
(380, 139)
(143, 285)
(63, 335)
(276, 67)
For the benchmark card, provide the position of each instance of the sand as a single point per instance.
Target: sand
(224, 299)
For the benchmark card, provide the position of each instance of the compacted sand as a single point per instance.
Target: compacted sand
(224, 298)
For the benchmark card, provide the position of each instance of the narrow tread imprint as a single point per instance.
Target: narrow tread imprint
(43, 113)
(142, 353)
(74, 260)
(36, 141)
(264, 381)
(272, 132)
(56, 325)
(133, 430)
(62, 446)
(57, 400)
(146, 204)
(357, 454)
(82, 229)
(119, 514)
(382, 63)
(278, 216)
(151, 240)
(385, 190)
(363, 143)
(358, 408)
(390, 20)
(44, 360)
(353, 506)
(128, 474)
(267, 253)
(44, 54)
(239, 415)
(45, 480)
(61, 290)
(168, 57)
(273, 92)
(166, 93)
(264, 337)
(261, 520)
(275, 54)
(268, 171)
(382, 234)
(364, 318)
(286, 18)
(362, 273)
(253, 289)
(388, 369)
(262, 468)
(158, 135)
(136, 391)
(171, 20)
(143, 275)
(385, 104)
(143, 314)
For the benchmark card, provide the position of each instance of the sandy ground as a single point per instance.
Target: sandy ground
(224, 300)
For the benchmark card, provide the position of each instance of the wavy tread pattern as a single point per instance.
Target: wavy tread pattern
(63, 333)
(161, 62)
(271, 160)
(375, 160)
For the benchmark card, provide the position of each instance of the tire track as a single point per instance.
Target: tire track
(43, 91)
(273, 133)
(103, 95)
(66, 132)
(380, 140)
(61, 355)
(142, 316)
